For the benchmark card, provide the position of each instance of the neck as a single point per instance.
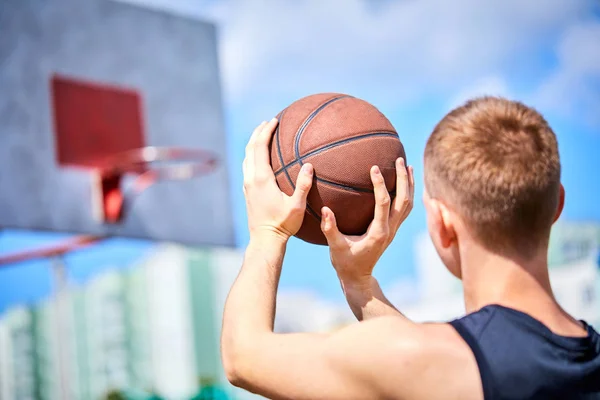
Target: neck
(520, 283)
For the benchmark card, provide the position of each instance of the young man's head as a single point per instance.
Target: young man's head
(492, 179)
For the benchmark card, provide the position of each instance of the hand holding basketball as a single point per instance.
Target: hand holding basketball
(354, 257)
(269, 209)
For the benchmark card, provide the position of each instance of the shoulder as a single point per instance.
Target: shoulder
(404, 335)
(420, 361)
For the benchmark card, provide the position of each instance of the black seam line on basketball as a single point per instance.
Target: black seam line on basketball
(312, 212)
(289, 178)
(308, 120)
(335, 144)
(298, 134)
(350, 188)
(279, 149)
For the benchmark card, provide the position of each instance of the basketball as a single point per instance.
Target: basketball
(342, 137)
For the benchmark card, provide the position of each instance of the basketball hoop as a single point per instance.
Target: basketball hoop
(149, 165)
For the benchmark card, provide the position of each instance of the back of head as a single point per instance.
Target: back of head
(496, 163)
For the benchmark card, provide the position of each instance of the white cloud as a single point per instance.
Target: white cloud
(306, 311)
(403, 292)
(405, 48)
(573, 89)
(390, 53)
(440, 309)
(487, 86)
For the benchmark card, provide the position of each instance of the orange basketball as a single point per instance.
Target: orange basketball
(342, 137)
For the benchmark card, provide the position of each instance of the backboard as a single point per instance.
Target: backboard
(86, 83)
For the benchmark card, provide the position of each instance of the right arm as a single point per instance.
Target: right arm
(354, 257)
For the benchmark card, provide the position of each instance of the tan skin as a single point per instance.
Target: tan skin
(385, 356)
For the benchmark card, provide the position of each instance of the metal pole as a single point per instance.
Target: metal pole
(62, 322)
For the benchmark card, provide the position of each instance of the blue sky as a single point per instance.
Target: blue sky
(413, 60)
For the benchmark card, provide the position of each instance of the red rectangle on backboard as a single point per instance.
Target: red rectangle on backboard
(93, 121)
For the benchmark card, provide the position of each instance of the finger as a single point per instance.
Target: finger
(402, 200)
(245, 174)
(252, 140)
(335, 238)
(411, 184)
(255, 132)
(262, 158)
(303, 185)
(382, 201)
(249, 158)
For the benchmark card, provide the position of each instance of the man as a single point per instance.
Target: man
(492, 193)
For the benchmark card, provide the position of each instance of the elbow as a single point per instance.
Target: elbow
(234, 364)
(233, 371)
(241, 358)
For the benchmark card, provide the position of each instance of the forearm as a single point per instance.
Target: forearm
(250, 307)
(366, 299)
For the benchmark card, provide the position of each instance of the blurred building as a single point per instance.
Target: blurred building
(154, 327)
(20, 355)
(572, 242)
(436, 295)
(574, 259)
(28, 354)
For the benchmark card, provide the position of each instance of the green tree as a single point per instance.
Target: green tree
(210, 390)
(115, 395)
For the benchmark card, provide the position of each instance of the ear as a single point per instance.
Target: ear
(561, 203)
(441, 221)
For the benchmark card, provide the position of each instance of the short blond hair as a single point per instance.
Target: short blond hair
(496, 162)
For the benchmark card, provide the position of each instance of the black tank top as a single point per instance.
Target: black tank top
(520, 358)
